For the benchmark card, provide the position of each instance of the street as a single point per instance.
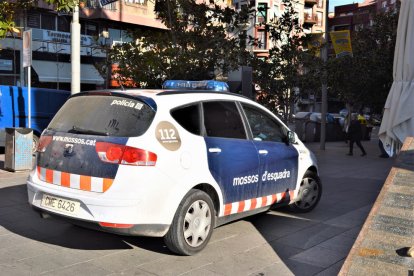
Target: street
(275, 243)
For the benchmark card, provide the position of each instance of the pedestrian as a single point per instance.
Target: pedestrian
(355, 135)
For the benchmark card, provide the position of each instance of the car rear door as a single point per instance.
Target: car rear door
(232, 158)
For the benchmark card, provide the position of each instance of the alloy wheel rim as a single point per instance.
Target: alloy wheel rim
(197, 223)
(309, 191)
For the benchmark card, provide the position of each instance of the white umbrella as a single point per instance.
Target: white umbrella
(398, 119)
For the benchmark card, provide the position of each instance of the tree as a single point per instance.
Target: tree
(202, 40)
(8, 10)
(279, 74)
(366, 78)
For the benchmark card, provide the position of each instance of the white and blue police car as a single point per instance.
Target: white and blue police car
(168, 163)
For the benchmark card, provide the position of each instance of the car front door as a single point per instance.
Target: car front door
(278, 159)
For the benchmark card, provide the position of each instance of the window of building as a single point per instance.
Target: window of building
(33, 20)
(392, 2)
(222, 119)
(319, 17)
(276, 10)
(262, 39)
(48, 22)
(140, 2)
(320, 4)
(88, 28)
(359, 27)
(261, 13)
(384, 4)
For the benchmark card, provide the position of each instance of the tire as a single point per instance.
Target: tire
(310, 192)
(192, 225)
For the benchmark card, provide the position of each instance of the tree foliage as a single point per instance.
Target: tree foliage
(8, 10)
(202, 39)
(366, 78)
(279, 74)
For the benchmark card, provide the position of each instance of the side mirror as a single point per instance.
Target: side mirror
(291, 137)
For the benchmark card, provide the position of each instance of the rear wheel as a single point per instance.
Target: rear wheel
(309, 194)
(193, 224)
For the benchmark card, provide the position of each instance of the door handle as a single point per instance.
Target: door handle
(214, 150)
(263, 152)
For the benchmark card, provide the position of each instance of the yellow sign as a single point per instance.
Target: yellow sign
(341, 41)
(315, 43)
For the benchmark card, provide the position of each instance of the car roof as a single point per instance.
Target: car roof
(170, 95)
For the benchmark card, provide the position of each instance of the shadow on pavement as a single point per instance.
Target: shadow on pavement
(19, 218)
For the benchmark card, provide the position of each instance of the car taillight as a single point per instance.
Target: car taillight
(119, 154)
(44, 141)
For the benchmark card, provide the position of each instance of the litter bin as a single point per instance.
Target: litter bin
(301, 118)
(18, 152)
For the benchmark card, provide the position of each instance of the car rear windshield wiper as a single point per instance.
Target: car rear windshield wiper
(76, 129)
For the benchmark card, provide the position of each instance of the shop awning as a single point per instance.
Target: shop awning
(50, 71)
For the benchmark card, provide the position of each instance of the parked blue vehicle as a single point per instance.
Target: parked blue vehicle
(14, 108)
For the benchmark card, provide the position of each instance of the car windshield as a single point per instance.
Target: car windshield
(103, 115)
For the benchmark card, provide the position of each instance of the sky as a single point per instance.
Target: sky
(333, 3)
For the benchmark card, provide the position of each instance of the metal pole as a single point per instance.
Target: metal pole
(29, 92)
(75, 50)
(324, 56)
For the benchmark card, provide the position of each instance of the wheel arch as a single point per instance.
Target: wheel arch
(211, 191)
(313, 169)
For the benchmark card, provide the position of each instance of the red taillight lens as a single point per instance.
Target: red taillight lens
(44, 141)
(114, 153)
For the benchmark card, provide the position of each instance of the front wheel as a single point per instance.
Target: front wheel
(310, 192)
(193, 224)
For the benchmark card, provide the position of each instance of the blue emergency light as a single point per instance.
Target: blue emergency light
(196, 85)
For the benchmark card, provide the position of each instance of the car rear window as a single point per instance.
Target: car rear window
(103, 115)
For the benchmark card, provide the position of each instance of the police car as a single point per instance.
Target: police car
(168, 163)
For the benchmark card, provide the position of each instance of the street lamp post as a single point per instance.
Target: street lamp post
(324, 55)
(75, 50)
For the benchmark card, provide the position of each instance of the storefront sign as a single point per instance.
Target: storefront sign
(64, 38)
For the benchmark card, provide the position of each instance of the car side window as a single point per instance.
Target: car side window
(264, 127)
(223, 119)
(188, 117)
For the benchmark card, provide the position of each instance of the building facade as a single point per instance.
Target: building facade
(311, 14)
(353, 17)
(101, 27)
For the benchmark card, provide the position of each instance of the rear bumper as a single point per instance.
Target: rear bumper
(119, 216)
(150, 230)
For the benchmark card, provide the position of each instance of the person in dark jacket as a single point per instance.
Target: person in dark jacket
(355, 135)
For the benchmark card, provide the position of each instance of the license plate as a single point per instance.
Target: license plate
(60, 204)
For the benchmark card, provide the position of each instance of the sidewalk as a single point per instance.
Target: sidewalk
(276, 243)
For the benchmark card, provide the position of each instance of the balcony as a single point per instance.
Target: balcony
(310, 18)
(310, 2)
(94, 4)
